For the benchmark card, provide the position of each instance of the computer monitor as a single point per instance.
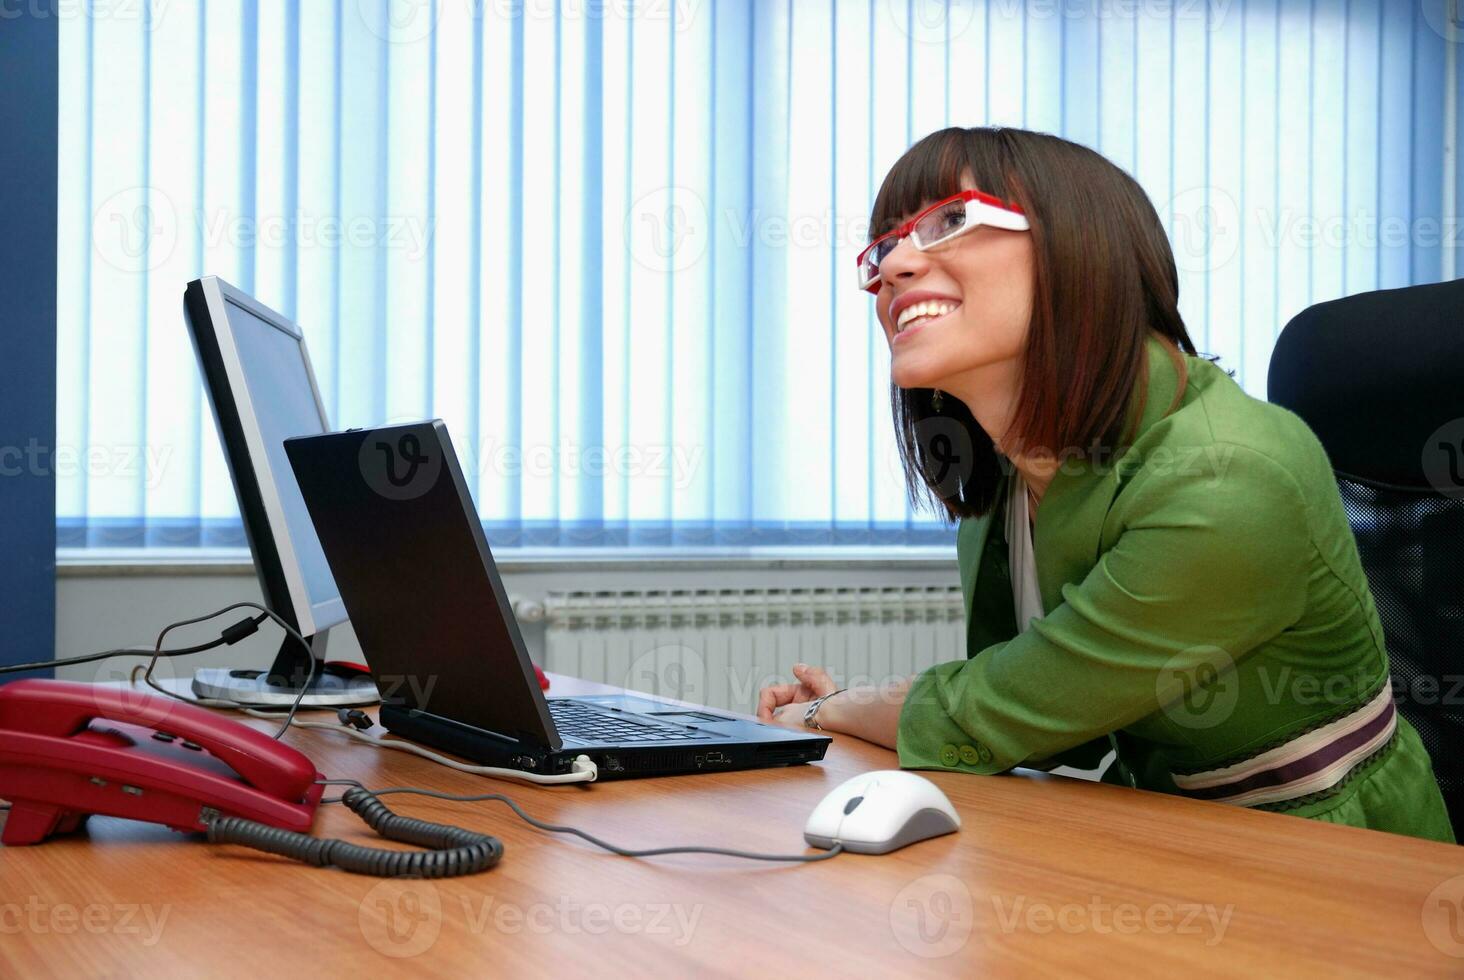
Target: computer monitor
(257, 372)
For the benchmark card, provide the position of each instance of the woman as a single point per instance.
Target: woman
(1152, 561)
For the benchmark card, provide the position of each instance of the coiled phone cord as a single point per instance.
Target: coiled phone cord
(453, 851)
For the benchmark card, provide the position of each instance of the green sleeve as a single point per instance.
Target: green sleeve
(1203, 570)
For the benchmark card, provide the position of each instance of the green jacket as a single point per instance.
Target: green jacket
(1205, 605)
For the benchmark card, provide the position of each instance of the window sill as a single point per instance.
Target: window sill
(84, 562)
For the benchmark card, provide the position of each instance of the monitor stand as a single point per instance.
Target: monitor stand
(278, 687)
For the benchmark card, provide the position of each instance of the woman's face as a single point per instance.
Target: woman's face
(984, 279)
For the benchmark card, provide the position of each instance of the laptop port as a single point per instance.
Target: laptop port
(712, 759)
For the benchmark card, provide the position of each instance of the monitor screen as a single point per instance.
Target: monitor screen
(282, 395)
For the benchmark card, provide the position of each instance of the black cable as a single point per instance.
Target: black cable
(228, 636)
(310, 657)
(453, 851)
(606, 845)
(122, 652)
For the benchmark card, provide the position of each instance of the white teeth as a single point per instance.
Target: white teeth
(929, 307)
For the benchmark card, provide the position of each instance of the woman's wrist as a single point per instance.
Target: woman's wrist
(868, 712)
(813, 714)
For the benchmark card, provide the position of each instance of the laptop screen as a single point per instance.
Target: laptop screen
(408, 553)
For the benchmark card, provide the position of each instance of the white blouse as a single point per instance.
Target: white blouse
(1026, 594)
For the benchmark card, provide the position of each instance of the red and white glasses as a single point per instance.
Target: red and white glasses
(937, 224)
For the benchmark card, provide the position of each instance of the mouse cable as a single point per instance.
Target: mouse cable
(836, 850)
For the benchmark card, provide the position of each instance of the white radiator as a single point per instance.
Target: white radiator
(719, 647)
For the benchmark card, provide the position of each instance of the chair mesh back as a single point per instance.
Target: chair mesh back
(1412, 549)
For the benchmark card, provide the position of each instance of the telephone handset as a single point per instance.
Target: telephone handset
(68, 750)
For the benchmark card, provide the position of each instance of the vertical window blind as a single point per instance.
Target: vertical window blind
(611, 243)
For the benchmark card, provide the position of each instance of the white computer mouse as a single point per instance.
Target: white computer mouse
(879, 812)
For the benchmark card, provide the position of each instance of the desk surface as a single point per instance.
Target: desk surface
(1048, 874)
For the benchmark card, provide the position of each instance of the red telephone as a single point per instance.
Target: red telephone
(69, 750)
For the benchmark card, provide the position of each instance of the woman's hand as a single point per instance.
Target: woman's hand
(784, 704)
(871, 713)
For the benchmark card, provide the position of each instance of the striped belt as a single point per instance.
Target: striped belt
(1309, 763)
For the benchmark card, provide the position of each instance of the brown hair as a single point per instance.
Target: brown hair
(1103, 278)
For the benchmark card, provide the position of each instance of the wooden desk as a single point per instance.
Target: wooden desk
(1048, 874)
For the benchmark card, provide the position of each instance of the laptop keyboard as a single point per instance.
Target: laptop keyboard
(593, 725)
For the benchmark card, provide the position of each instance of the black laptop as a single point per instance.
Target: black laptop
(403, 539)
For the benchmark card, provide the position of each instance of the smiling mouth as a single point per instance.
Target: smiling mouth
(919, 314)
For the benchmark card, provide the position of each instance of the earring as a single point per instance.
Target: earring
(937, 400)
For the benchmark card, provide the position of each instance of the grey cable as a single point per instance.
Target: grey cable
(606, 845)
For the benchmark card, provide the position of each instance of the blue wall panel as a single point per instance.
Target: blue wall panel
(28, 75)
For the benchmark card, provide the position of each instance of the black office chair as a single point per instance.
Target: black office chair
(1380, 378)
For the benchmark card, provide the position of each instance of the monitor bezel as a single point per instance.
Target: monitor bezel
(256, 485)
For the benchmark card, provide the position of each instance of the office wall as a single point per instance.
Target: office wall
(102, 607)
(28, 77)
